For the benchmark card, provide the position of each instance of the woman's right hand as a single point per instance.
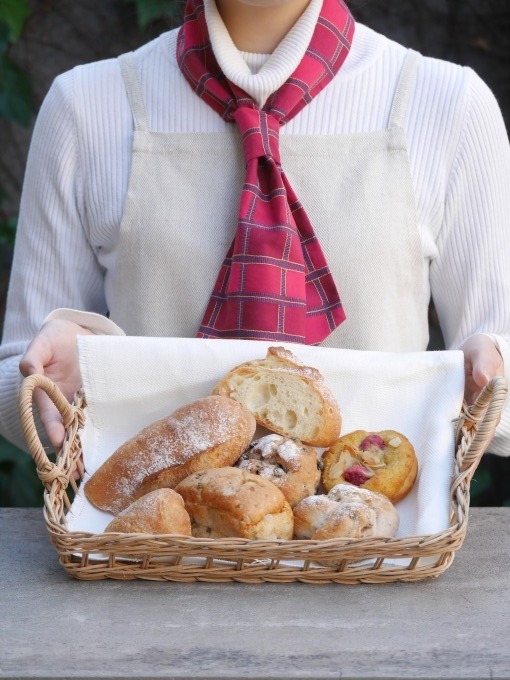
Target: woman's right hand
(53, 353)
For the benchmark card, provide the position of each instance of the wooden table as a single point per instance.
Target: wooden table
(457, 626)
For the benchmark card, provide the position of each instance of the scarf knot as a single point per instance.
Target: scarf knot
(260, 133)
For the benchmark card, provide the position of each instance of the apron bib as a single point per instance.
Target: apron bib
(180, 216)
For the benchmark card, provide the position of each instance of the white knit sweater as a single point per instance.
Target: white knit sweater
(79, 162)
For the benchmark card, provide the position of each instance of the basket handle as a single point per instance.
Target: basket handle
(46, 470)
(483, 416)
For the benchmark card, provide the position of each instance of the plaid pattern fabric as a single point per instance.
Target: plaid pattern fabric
(274, 283)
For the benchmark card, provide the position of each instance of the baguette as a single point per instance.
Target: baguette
(286, 397)
(209, 432)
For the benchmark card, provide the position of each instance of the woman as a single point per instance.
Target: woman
(131, 198)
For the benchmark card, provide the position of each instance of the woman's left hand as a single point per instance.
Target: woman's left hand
(482, 362)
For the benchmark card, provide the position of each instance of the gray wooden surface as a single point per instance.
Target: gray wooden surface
(457, 626)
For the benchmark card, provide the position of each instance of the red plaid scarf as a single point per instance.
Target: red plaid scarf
(274, 283)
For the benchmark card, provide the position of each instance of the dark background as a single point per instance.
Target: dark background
(58, 34)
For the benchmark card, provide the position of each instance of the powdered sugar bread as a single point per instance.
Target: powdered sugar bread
(228, 501)
(288, 463)
(285, 396)
(346, 512)
(158, 512)
(209, 432)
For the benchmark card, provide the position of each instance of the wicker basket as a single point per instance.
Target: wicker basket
(177, 558)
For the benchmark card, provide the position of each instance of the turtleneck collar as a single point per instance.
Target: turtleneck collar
(277, 68)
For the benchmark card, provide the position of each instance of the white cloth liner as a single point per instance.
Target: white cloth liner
(132, 381)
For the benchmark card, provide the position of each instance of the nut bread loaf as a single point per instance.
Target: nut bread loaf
(286, 397)
(288, 463)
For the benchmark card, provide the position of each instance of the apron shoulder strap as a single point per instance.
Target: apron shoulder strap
(134, 91)
(404, 89)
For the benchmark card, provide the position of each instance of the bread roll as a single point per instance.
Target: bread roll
(382, 461)
(288, 463)
(285, 396)
(225, 502)
(346, 512)
(209, 432)
(158, 512)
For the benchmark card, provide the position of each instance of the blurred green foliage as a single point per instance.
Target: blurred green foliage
(13, 14)
(152, 10)
(15, 88)
(7, 224)
(19, 483)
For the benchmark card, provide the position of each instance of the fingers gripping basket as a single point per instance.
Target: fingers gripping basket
(176, 558)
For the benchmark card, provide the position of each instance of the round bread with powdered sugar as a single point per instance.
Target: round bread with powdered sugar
(378, 461)
(346, 512)
(288, 463)
(209, 432)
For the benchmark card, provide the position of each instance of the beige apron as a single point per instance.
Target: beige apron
(181, 209)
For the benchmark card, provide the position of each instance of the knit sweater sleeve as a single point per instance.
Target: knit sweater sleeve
(470, 278)
(54, 264)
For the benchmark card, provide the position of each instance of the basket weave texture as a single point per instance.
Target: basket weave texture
(176, 558)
